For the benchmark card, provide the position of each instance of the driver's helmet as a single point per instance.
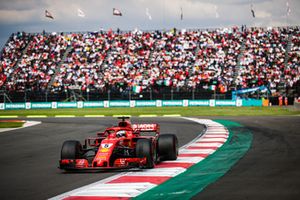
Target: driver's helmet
(121, 133)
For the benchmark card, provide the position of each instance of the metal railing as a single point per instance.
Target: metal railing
(110, 94)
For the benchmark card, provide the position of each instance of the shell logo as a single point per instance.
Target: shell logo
(104, 150)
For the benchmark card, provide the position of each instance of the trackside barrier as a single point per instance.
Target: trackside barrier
(132, 103)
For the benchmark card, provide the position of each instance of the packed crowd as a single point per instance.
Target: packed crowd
(123, 61)
(10, 55)
(81, 66)
(292, 70)
(217, 58)
(263, 60)
(34, 69)
(184, 60)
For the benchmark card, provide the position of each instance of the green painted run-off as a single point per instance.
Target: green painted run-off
(199, 176)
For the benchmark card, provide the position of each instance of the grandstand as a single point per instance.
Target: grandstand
(175, 64)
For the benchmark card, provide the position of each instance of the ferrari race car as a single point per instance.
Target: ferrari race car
(119, 147)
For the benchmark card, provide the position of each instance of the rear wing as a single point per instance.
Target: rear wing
(145, 127)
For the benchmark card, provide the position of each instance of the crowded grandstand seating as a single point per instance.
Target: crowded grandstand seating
(37, 65)
(10, 55)
(223, 59)
(81, 66)
(172, 59)
(263, 61)
(217, 58)
(292, 69)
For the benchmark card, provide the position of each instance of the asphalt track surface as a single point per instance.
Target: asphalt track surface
(269, 170)
(29, 157)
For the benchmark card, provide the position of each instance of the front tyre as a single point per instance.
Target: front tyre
(71, 149)
(144, 148)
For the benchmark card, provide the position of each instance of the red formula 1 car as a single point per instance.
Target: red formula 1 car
(124, 146)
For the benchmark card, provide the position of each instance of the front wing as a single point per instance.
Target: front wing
(83, 164)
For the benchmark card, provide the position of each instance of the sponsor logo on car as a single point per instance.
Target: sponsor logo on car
(145, 127)
(104, 150)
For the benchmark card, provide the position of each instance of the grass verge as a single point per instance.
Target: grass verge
(11, 124)
(183, 111)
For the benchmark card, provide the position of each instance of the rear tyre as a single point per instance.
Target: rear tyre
(144, 149)
(71, 149)
(168, 147)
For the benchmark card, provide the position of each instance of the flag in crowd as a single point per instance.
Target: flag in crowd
(252, 11)
(288, 9)
(181, 14)
(117, 12)
(48, 14)
(148, 14)
(80, 13)
(212, 87)
(137, 89)
(167, 82)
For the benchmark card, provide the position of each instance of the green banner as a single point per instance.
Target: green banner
(93, 104)
(142, 103)
(132, 103)
(119, 103)
(41, 105)
(172, 103)
(225, 103)
(198, 103)
(14, 106)
(252, 102)
(66, 104)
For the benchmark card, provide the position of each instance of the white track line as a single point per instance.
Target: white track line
(26, 124)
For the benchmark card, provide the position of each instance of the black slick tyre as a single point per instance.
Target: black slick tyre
(71, 149)
(168, 147)
(144, 149)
